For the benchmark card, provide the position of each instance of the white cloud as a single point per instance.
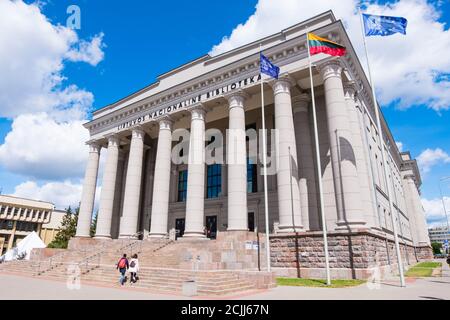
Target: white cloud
(61, 194)
(399, 145)
(406, 68)
(88, 51)
(434, 211)
(431, 157)
(39, 147)
(32, 60)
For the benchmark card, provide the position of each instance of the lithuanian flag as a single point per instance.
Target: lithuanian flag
(322, 45)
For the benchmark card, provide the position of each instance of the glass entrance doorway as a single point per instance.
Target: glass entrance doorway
(211, 227)
(179, 227)
(251, 221)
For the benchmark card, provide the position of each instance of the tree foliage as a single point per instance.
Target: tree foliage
(68, 229)
(437, 246)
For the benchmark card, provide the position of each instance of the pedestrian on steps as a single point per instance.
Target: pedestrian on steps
(134, 268)
(122, 266)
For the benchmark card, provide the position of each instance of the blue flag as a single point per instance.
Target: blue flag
(268, 67)
(383, 25)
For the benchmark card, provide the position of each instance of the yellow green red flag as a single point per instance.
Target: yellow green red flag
(322, 45)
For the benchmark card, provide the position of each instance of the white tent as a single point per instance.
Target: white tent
(24, 247)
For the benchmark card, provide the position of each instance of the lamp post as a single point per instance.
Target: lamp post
(445, 210)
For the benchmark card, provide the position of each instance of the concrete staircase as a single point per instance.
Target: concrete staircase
(165, 266)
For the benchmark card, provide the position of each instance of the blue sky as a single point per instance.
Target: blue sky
(143, 39)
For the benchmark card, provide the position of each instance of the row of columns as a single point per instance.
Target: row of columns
(292, 177)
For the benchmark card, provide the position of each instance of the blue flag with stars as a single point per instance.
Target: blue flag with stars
(268, 67)
(383, 25)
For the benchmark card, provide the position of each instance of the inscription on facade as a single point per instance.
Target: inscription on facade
(189, 102)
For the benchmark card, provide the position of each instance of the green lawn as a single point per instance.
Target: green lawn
(339, 283)
(423, 269)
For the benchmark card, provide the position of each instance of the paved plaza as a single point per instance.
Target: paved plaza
(434, 288)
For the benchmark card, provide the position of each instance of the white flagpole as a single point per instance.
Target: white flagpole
(319, 169)
(266, 204)
(383, 158)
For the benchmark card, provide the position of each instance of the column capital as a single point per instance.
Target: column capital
(236, 98)
(282, 84)
(113, 139)
(300, 102)
(165, 123)
(331, 68)
(94, 146)
(198, 112)
(137, 132)
(350, 89)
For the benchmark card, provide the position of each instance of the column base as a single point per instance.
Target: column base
(237, 229)
(194, 235)
(353, 225)
(102, 237)
(290, 229)
(82, 236)
(157, 235)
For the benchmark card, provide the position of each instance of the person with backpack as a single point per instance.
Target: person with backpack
(134, 268)
(122, 266)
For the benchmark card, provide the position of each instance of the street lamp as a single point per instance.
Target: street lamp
(445, 210)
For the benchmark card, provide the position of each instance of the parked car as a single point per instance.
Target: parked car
(440, 256)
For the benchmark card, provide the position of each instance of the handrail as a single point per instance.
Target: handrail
(53, 261)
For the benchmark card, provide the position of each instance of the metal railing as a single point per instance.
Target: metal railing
(52, 262)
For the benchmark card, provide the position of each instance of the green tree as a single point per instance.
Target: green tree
(437, 246)
(68, 229)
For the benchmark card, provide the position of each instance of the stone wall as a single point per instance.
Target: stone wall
(351, 255)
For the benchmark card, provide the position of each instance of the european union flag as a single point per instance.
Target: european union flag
(383, 25)
(268, 67)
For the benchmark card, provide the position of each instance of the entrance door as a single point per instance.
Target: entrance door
(179, 227)
(211, 227)
(251, 221)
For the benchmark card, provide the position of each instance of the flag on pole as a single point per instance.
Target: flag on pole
(322, 45)
(383, 25)
(268, 67)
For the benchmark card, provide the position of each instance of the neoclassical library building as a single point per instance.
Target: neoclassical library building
(158, 181)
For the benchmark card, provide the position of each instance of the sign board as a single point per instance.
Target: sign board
(248, 245)
(255, 245)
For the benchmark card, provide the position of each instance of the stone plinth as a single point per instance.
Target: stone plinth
(355, 255)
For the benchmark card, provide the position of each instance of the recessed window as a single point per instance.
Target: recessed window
(182, 185)
(214, 180)
(252, 182)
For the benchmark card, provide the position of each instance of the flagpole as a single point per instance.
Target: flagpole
(319, 169)
(266, 205)
(383, 158)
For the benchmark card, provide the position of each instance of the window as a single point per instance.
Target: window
(182, 185)
(214, 182)
(252, 185)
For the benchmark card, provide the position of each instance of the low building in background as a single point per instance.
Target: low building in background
(51, 228)
(439, 234)
(20, 216)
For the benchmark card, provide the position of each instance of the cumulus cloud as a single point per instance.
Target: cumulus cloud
(39, 147)
(399, 145)
(409, 70)
(61, 194)
(33, 58)
(434, 211)
(432, 157)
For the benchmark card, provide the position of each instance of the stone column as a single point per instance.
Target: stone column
(306, 167)
(130, 217)
(290, 216)
(195, 198)
(161, 180)
(415, 211)
(88, 194)
(363, 216)
(346, 184)
(237, 163)
(105, 212)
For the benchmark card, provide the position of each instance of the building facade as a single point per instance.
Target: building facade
(145, 192)
(19, 217)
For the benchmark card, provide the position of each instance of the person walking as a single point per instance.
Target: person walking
(134, 268)
(122, 266)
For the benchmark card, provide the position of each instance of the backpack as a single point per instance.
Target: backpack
(122, 263)
(132, 264)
